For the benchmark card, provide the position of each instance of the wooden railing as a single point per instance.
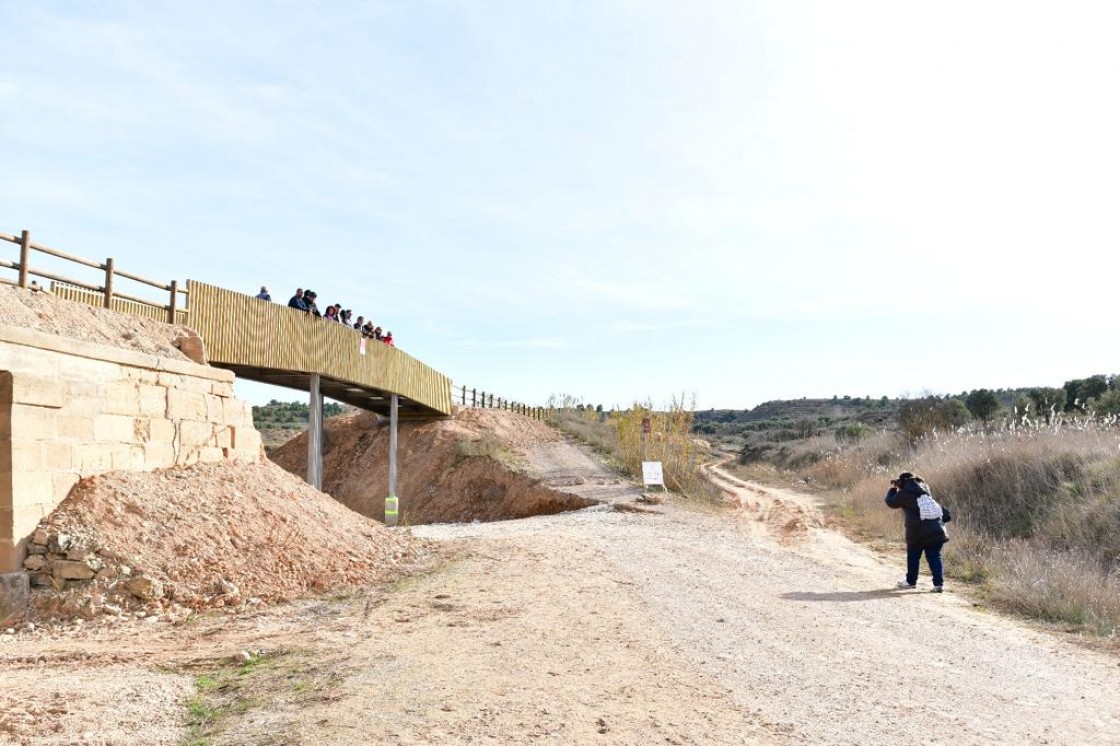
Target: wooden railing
(73, 289)
(251, 336)
(475, 398)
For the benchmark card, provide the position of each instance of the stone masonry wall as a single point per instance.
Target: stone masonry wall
(71, 409)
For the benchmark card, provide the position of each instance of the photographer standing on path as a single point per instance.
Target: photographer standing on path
(925, 527)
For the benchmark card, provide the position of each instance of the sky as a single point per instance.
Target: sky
(621, 200)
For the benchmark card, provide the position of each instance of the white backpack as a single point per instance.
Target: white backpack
(928, 508)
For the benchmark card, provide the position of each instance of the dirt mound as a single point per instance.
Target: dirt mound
(461, 469)
(206, 536)
(47, 313)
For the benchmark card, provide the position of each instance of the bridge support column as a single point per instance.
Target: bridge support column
(315, 435)
(391, 515)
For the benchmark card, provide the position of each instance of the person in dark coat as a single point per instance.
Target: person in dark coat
(925, 527)
(297, 302)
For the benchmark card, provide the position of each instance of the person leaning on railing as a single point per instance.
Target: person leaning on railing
(309, 297)
(297, 302)
(304, 300)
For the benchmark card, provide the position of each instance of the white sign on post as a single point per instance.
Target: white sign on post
(651, 473)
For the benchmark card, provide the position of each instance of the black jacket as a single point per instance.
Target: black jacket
(919, 533)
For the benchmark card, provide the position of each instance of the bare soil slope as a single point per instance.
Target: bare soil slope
(46, 313)
(214, 535)
(466, 468)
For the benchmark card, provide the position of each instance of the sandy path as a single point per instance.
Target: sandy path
(800, 628)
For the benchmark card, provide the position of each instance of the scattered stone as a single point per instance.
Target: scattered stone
(226, 588)
(59, 543)
(78, 550)
(144, 588)
(35, 563)
(40, 537)
(71, 570)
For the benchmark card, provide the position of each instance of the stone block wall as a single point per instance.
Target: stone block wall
(71, 409)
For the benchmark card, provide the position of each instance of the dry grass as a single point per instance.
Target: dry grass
(1036, 509)
(620, 437)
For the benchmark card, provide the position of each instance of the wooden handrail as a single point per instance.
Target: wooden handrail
(108, 267)
(481, 400)
(68, 257)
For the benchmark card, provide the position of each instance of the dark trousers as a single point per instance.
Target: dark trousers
(933, 557)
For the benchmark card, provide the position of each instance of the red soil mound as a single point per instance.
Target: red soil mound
(455, 470)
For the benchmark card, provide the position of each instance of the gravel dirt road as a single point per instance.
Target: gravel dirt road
(683, 625)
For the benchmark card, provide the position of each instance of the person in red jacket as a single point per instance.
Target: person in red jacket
(388, 339)
(925, 527)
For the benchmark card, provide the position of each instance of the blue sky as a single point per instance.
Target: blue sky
(618, 200)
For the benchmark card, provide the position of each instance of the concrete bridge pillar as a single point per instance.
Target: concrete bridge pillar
(315, 435)
(392, 505)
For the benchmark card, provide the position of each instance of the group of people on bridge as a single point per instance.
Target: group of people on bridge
(304, 300)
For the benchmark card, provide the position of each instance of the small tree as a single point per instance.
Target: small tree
(920, 417)
(982, 403)
(1081, 390)
(1108, 404)
(1046, 401)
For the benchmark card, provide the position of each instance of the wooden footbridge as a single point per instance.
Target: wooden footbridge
(267, 342)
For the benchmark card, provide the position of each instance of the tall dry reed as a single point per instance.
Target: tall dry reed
(1036, 508)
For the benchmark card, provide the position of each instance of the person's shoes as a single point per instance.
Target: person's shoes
(936, 589)
(904, 584)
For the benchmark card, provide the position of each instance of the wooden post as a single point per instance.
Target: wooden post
(24, 257)
(109, 282)
(174, 302)
(474, 397)
(315, 435)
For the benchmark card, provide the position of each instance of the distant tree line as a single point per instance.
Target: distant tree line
(852, 418)
(289, 415)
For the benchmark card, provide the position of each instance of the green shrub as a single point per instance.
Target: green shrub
(852, 432)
